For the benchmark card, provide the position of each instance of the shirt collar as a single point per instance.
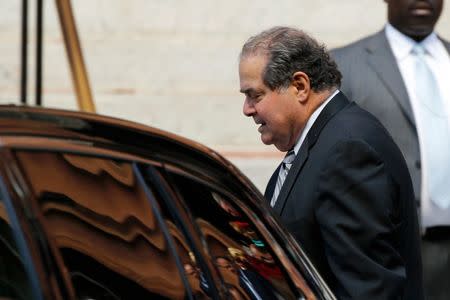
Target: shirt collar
(402, 45)
(311, 121)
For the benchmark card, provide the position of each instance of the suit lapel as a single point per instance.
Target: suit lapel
(382, 61)
(335, 105)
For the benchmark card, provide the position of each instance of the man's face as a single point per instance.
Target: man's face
(276, 112)
(414, 18)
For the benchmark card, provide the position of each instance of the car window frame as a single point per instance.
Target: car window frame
(21, 232)
(188, 228)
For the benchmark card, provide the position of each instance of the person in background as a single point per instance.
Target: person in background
(401, 75)
(343, 189)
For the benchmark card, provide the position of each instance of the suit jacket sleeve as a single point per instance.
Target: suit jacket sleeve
(358, 217)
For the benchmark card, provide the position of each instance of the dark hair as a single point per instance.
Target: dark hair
(290, 50)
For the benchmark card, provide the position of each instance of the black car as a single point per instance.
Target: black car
(93, 207)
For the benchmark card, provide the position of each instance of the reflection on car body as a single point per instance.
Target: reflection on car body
(99, 208)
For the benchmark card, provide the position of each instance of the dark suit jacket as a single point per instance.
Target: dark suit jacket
(372, 79)
(349, 202)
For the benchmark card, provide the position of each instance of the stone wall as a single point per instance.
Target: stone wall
(172, 64)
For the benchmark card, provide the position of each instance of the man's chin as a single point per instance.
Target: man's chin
(418, 32)
(266, 140)
(269, 142)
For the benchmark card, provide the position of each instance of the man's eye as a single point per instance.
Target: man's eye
(256, 97)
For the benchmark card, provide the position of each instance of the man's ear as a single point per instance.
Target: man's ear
(301, 84)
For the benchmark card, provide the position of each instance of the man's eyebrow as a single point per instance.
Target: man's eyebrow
(247, 90)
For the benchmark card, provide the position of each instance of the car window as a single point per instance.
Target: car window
(202, 285)
(100, 222)
(14, 283)
(245, 261)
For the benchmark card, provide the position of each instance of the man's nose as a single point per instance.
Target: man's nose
(248, 109)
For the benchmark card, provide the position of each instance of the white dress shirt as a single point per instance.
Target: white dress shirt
(438, 61)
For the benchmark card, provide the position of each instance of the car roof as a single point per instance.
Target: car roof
(119, 134)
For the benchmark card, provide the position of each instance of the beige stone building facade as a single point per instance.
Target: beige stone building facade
(172, 64)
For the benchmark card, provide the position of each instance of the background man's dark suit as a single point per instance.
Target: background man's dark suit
(349, 202)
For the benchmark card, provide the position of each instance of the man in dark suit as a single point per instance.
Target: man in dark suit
(347, 196)
(380, 72)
